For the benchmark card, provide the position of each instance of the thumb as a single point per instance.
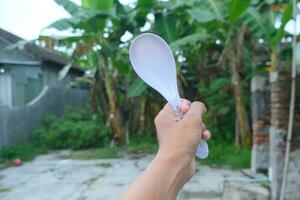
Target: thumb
(195, 112)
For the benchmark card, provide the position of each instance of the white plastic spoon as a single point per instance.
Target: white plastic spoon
(153, 61)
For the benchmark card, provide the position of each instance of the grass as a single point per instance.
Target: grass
(101, 153)
(222, 154)
(5, 164)
(225, 154)
(25, 152)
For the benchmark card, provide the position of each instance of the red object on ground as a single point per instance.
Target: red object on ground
(18, 162)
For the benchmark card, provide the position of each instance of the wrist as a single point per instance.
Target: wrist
(174, 173)
(173, 159)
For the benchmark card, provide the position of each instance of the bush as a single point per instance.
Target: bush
(76, 129)
(219, 118)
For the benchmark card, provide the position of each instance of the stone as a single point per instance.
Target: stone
(236, 190)
(260, 104)
(276, 160)
(258, 83)
(260, 157)
(293, 177)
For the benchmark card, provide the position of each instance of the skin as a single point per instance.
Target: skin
(174, 163)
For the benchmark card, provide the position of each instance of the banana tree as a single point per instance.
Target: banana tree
(99, 47)
(186, 24)
(103, 24)
(228, 22)
(222, 19)
(261, 21)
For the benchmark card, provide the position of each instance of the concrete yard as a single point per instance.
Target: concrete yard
(52, 177)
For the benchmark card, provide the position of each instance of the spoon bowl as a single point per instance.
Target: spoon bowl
(153, 61)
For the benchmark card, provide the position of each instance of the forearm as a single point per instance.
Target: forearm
(162, 180)
(174, 163)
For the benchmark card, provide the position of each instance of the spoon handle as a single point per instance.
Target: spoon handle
(202, 148)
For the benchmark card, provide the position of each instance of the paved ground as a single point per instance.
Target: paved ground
(50, 177)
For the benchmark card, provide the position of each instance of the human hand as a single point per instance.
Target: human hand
(178, 140)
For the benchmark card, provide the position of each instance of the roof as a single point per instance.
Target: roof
(38, 52)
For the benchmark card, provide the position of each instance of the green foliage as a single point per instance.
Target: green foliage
(145, 3)
(137, 88)
(261, 25)
(236, 8)
(76, 129)
(203, 32)
(165, 25)
(202, 15)
(188, 40)
(286, 16)
(219, 104)
(216, 7)
(103, 6)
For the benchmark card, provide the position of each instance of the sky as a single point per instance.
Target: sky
(28, 18)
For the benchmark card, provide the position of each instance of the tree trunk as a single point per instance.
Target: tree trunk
(273, 60)
(200, 68)
(142, 115)
(98, 102)
(236, 61)
(94, 91)
(240, 109)
(98, 99)
(114, 114)
(237, 138)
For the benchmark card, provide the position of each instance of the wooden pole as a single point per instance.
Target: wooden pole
(292, 107)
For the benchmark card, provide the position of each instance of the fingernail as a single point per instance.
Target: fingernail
(184, 106)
